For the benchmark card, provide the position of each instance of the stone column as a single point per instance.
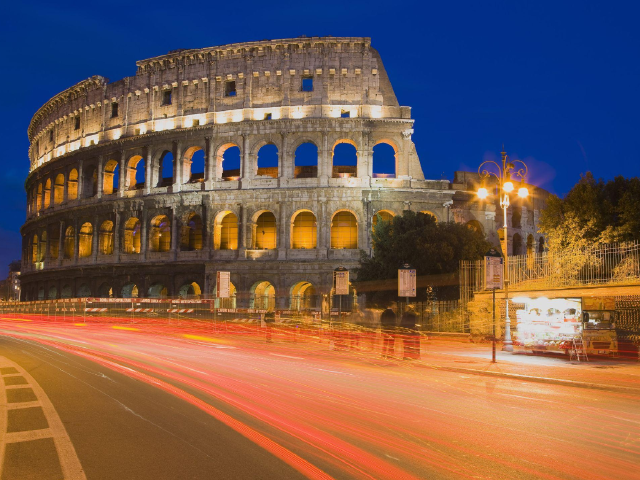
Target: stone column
(61, 243)
(175, 239)
(100, 175)
(325, 161)
(116, 235)
(52, 192)
(94, 240)
(209, 163)
(80, 189)
(122, 182)
(247, 168)
(148, 170)
(76, 244)
(143, 235)
(242, 234)
(177, 166)
(283, 234)
(65, 188)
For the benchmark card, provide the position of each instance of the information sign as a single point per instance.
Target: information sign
(406, 282)
(342, 282)
(223, 284)
(493, 270)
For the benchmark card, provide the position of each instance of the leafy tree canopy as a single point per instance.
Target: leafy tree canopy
(592, 212)
(430, 247)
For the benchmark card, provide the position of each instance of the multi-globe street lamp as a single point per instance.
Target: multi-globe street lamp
(505, 175)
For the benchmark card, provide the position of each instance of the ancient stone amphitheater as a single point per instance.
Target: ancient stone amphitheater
(271, 160)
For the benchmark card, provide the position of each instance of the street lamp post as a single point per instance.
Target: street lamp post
(504, 174)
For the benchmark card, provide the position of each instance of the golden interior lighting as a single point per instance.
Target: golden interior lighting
(508, 186)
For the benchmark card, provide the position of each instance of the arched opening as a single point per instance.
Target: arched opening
(194, 165)
(266, 231)
(190, 290)
(105, 246)
(72, 185)
(516, 217)
(110, 178)
(85, 240)
(263, 296)
(129, 290)
(427, 212)
(69, 242)
(42, 247)
(226, 232)
(84, 291)
(304, 231)
(384, 161)
(531, 245)
(303, 297)
(105, 291)
(268, 161)
(160, 234)
(191, 238)
(345, 159)
(54, 243)
(229, 302)
(132, 235)
(381, 216)
(47, 193)
(231, 163)
(135, 173)
(306, 161)
(58, 189)
(41, 293)
(90, 182)
(157, 290)
(165, 169)
(344, 230)
(53, 293)
(517, 244)
(475, 225)
(39, 197)
(541, 245)
(66, 291)
(35, 249)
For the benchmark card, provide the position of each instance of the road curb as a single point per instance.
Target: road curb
(530, 378)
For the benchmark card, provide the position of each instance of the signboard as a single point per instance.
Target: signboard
(342, 282)
(406, 282)
(599, 303)
(223, 284)
(493, 270)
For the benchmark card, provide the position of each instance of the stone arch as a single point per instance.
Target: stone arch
(265, 230)
(305, 160)
(83, 291)
(52, 294)
(42, 247)
(165, 168)
(90, 182)
(382, 216)
(516, 216)
(385, 159)
(35, 248)
(157, 290)
(58, 189)
(69, 242)
(129, 290)
(516, 247)
(46, 200)
(132, 235)
(227, 155)
(66, 291)
(541, 245)
(263, 296)
(266, 157)
(160, 234)
(225, 235)
(105, 290)
(427, 212)
(303, 296)
(135, 173)
(475, 225)
(344, 158)
(304, 230)
(344, 230)
(85, 240)
(72, 185)
(193, 164)
(39, 197)
(110, 180)
(190, 290)
(41, 293)
(191, 235)
(105, 244)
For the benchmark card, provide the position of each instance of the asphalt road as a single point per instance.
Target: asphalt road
(143, 402)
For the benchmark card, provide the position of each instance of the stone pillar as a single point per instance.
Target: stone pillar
(143, 235)
(116, 235)
(175, 239)
(122, 181)
(61, 243)
(242, 234)
(52, 192)
(247, 168)
(80, 189)
(286, 162)
(94, 240)
(148, 170)
(76, 244)
(325, 161)
(177, 166)
(100, 175)
(283, 233)
(65, 189)
(209, 163)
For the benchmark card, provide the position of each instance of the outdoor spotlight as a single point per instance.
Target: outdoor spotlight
(508, 186)
(483, 193)
(523, 192)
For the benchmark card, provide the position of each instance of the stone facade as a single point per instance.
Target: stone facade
(85, 236)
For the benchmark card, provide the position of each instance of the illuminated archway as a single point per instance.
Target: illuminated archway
(381, 216)
(304, 230)
(265, 236)
(344, 230)
(190, 290)
(157, 290)
(69, 242)
(129, 290)
(191, 238)
(72, 185)
(110, 178)
(135, 173)
(47, 193)
(226, 232)
(105, 244)
(263, 296)
(160, 234)
(303, 297)
(132, 235)
(86, 240)
(229, 302)
(58, 189)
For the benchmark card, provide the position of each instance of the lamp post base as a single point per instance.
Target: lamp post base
(507, 347)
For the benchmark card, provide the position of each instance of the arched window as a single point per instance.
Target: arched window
(42, 248)
(228, 237)
(344, 230)
(229, 302)
(58, 189)
(105, 246)
(35, 246)
(53, 293)
(110, 178)
(85, 241)
(69, 242)
(345, 159)
(54, 243)
(194, 165)
(231, 163)
(303, 297)
(160, 234)
(165, 169)
(531, 245)
(268, 161)
(135, 173)
(132, 235)
(382, 216)
(72, 185)
(475, 225)
(384, 161)
(157, 290)
(304, 231)
(263, 296)
(190, 290)
(191, 238)
(129, 290)
(266, 233)
(306, 161)
(90, 182)
(84, 291)
(39, 197)
(47, 194)
(105, 291)
(66, 291)
(517, 244)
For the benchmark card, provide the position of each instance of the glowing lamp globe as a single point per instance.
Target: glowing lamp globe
(508, 187)
(483, 193)
(523, 192)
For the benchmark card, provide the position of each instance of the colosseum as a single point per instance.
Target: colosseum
(271, 160)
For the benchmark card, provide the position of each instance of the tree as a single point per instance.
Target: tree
(430, 247)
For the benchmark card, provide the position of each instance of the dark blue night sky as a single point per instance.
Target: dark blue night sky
(557, 82)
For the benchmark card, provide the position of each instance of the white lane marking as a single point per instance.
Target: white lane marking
(69, 461)
(286, 356)
(334, 371)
